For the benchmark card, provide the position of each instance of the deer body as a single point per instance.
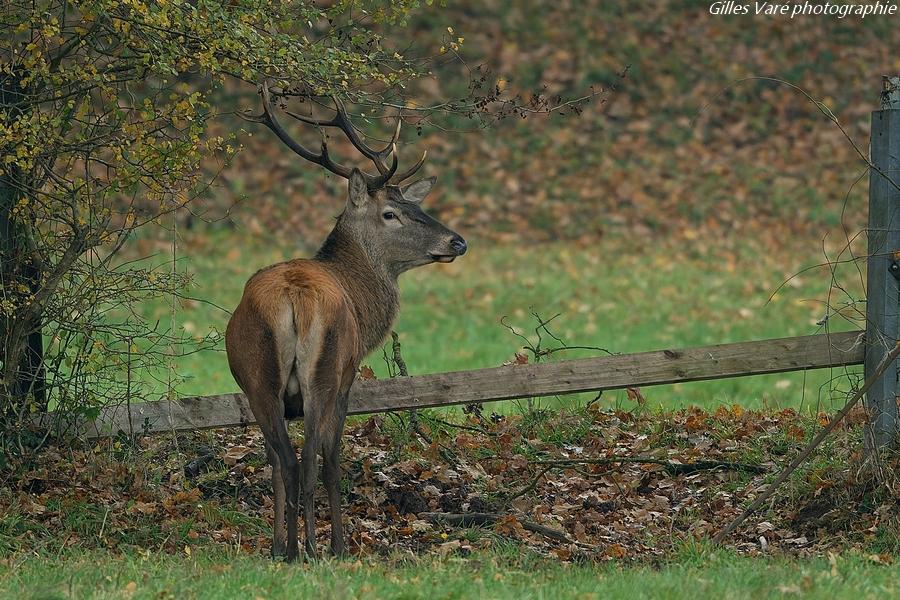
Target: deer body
(297, 337)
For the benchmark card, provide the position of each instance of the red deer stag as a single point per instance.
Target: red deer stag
(302, 327)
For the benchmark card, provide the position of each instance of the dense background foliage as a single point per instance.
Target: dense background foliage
(686, 146)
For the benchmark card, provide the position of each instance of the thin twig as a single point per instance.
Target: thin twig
(478, 519)
(398, 357)
(403, 372)
(480, 430)
(671, 467)
(674, 468)
(886, 362)
(531, 485)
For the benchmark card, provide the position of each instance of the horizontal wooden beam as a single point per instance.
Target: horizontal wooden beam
(514, 381)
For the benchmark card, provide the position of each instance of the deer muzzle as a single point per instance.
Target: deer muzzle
(457, 246)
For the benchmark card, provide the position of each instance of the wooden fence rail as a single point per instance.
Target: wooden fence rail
(511, 382)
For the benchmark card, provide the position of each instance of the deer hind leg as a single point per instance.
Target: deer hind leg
(306, 358)
(331, 454)
(323, 423)
(287, 468)
(309, 464)
(335, 372)
(279, 541)
(264, 386)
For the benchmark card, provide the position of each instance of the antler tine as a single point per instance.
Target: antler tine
(379, 182)
(395, 137)
(310, 120)
(268, 119)
(378, 156)
(333, 166)
(391, 146)
(412, 170)
(342, 120)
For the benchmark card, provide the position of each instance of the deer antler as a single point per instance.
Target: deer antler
(341, 121)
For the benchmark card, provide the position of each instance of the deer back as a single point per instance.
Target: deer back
(293, 311)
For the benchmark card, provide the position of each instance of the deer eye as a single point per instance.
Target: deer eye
(389, 215)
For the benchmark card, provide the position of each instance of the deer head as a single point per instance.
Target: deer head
(391, 227)
(382, 216)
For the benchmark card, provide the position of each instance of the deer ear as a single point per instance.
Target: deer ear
(416, 191)
(359, 192)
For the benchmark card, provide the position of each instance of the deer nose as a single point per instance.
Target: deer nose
(459, 245)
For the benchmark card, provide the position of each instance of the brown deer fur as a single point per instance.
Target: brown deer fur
(296, 339)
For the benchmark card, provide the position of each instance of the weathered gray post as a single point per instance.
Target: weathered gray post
(883, 292)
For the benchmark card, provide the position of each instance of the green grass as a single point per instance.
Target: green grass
(615, 294)
(501, 573)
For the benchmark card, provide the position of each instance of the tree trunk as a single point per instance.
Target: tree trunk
(21, 343)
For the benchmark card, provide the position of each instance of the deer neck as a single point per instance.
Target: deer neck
(370, 285)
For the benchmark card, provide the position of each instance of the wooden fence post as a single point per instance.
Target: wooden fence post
(883, 278)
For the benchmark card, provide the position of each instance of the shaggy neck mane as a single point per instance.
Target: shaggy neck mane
(372, 290)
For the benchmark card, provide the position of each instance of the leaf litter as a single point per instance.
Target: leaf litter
(590, 483)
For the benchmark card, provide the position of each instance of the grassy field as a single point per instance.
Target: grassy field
(617, 294)
(502, 573)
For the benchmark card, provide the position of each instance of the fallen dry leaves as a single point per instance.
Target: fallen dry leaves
(529, 479)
